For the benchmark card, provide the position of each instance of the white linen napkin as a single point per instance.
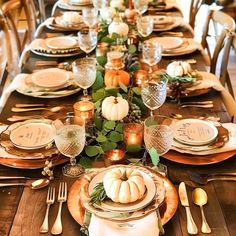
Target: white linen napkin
(101, 227)
(229, 146)
(12, 87)
(41, 27)
(24, 55)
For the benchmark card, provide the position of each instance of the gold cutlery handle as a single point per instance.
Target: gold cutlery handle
(226, 178)
(44, 226)
(57, 226)
(18, 109)
(191, 226)
(205, 227)
(210, 105)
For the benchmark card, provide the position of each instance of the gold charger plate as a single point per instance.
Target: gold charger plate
(189, 159)
(167, 209)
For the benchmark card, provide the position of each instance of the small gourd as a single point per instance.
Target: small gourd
(112, 78)
(124, 185)
(178, 68)
(115, 108)
(119, 27)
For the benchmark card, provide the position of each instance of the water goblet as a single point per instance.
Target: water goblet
(87, 40)
(153, 94)
(70, 141)
(151, 52)
(140, 6)
(84, 71)
(90, 16)
(145, 25)
(99, 4)
(158, 133)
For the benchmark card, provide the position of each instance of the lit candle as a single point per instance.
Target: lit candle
(114, 60)
(133, 134)
(141, 77)
(114, 156)
(85, 110)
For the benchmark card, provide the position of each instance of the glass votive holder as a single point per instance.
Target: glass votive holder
(84, 110)
(140, 77)
(101, 49)
(113, 157)
(133, 134)
(114, 60)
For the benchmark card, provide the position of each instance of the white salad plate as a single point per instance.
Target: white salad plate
(109, 205)
(168, 43)
(61, 42)
(195, 132)
(50, 78)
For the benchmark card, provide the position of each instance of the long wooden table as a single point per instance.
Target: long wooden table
(22, 209)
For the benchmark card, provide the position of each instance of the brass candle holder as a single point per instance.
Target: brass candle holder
(84, 110)
(133, 134)
(114, 156)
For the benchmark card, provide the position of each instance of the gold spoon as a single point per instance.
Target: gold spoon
(37, 184)
(200, 198)
(52, 109)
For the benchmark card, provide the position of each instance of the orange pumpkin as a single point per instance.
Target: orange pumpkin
(112, 78)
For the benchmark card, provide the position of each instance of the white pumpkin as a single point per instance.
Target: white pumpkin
(71, 17)
(124, 185)
(118, 27)
(178, 68)
(117, 4)
(115, 108)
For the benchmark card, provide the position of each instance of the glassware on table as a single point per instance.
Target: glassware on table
(151, 53)
(145, 25)
(158, 133)
(90, 16)
(140, 6)
(153, 93)
(84, 71)
(70, 141)
(87, 40)
(99, 4)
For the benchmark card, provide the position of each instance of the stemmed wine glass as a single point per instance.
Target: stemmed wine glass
(90, 16)
(153, 93)
(87, 40)
(140, 6)
(70, 141)
(99, 4)
(151, 52)
(145, 25)
(158, 133)
(84, 71)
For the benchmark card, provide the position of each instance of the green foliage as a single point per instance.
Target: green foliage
(98, 82)
(154, 156)
(98, 194)
(133, 148)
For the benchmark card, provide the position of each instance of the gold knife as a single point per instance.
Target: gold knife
(191, 226)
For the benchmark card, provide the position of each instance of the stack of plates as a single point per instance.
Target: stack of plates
(154, 197)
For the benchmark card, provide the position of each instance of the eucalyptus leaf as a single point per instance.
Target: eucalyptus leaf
(91, 151)
(138, 101)
(123, 87)
(101, 138)
(111, 91)
(110, 125)
(99, 94)
(115, 36)
(132, 49)
(154, 156)
(85, 162)
(102, 60)
(107, 40)
(108, 146)
(115, 136)
(133, 148)
(98, 82)
(119, 128)
(134, 67)
(137, 90)
(98, 122)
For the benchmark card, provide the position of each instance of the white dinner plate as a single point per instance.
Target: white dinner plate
(66, 5)
(61, 42)
(168, 43)
(128, 207)
(32, 135)
(50, 78)
(195, 132)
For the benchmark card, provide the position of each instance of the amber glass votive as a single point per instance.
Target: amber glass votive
(133, 134)
(140, 77)
(84, 110)
(114, 156)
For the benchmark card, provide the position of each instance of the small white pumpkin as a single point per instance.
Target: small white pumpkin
(124, 185)
(118, 27)
(178, 68)
(115, 108)
(71, 17)
(117, 4)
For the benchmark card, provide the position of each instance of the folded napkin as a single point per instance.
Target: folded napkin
(42, 25)
(145, 226)
(24, 55)
(12, 87)
(229, 146)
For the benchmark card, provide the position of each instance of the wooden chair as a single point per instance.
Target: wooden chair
(223, 26)
(12, 10)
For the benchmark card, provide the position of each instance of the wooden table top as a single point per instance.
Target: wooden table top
(22, 209)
